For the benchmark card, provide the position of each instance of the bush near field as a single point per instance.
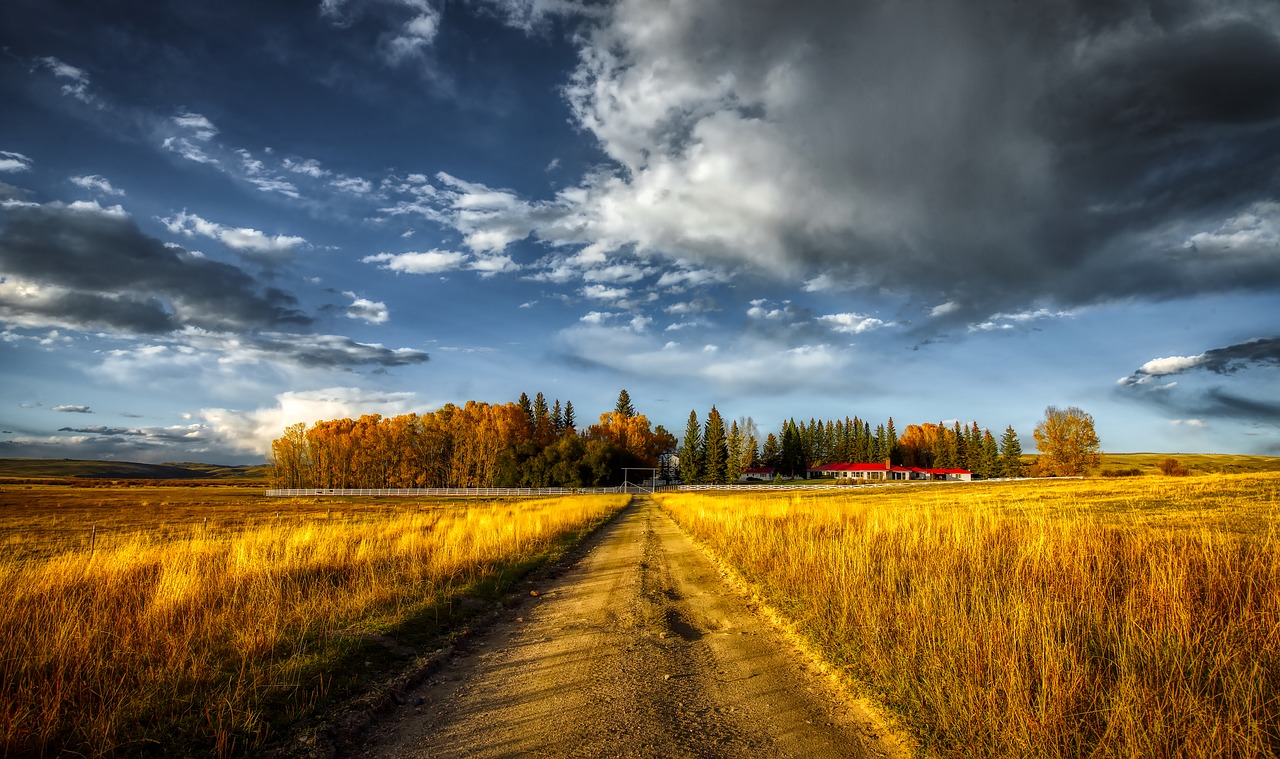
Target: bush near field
(1123, 617)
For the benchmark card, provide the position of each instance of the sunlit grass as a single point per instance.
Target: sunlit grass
(192, 636)
(1075, 618)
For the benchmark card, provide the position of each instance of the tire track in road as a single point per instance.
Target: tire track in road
(640, 650)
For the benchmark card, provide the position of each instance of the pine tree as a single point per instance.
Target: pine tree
(691, 450)
(540, 412)
(891, 435)
(569, 422)
(526, 407)
(1010, 454)
(990, 466)
(962, 450)
(624, 407)
(792, 463)
(715, 456)
(557, 418)
(771, 454)
(737, 442)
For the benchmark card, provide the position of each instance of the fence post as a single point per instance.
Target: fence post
(93, 537)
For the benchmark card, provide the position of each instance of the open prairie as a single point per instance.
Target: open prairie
(148, 620)
(1035, 618)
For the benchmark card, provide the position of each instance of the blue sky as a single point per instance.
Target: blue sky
(221, 218)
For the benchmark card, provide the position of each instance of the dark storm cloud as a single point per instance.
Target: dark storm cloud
(334, 351)
(987, 155)
(1150, 383)
(1253, 353)
(83, 266)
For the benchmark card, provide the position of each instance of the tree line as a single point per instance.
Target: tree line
(530, 443)
(526, 443)
(710, 454)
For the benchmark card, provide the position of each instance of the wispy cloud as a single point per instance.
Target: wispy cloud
(14, 162)
(98, 184)
(75, 80)
(241, 239)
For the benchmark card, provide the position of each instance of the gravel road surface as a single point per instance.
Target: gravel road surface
(640, 650)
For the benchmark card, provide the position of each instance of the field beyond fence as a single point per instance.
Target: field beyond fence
(1033, 619)
(204, 629)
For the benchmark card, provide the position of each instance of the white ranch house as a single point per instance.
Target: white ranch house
(887, 471)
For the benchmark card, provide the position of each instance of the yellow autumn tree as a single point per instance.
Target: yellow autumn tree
(1067, 442)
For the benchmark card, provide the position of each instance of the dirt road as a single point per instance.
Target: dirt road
(641, 650)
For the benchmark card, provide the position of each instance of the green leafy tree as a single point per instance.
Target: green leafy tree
(1067, 442)
(691, 450)
(715, 449)
(1010, 454)
(624, 407)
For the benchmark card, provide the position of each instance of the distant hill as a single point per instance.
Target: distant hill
(126, 470)
(1198, 463)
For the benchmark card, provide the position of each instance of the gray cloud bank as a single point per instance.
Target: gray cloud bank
(986, 156)
(87, 267)
(1151, 382)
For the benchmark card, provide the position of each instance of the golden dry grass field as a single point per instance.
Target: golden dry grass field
(204, 619)
(1101, 617)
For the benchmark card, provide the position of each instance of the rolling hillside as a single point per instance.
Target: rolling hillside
(125, 470)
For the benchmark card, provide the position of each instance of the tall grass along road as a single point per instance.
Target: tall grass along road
(1053, 619)
(639, 651)
(209, 639)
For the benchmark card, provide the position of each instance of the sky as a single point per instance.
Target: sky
(221, 218)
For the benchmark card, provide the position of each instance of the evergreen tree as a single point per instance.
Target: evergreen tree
(526, 407)
(990, 466)
(715, 449)
(962, 453)
(881, 450)
(557, 418)
(540, 412)
(624, 407)
(771, 454)
(944, 449)
(891, 435)
(792, 460)
(737, 442)
(1010, 454)
(691, 450)
(569, 422)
